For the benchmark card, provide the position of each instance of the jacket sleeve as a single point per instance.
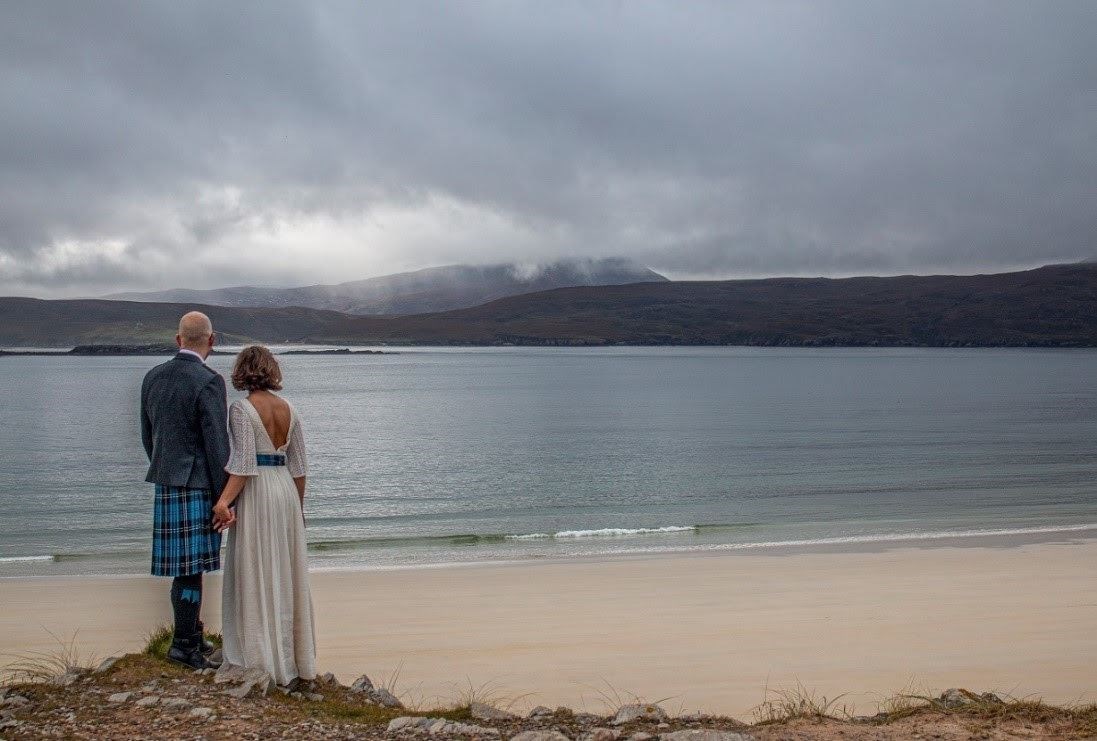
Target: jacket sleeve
(213, 414)
(146, 423)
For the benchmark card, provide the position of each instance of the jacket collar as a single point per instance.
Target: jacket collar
(190, 356)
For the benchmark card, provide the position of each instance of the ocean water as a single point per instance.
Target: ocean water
(434, 456)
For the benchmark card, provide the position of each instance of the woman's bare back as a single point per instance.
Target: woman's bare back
(275, 414)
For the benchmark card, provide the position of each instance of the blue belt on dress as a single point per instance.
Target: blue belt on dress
(268, 459)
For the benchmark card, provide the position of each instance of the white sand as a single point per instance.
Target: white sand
(707, 632)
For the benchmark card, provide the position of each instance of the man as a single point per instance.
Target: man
(184, 430)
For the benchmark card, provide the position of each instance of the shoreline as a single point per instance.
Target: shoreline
(709, 630)
(988, 538)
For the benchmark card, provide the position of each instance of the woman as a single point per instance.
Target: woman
(266, 605)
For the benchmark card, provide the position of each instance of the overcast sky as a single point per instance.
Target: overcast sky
(162, 144)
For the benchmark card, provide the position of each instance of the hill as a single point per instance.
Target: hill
(421, 291)
(1053, 306)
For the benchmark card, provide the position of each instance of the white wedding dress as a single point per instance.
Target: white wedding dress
(266, 605)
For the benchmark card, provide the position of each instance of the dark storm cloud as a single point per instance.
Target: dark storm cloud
(240, 140)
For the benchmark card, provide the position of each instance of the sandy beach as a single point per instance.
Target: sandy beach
(700, 632)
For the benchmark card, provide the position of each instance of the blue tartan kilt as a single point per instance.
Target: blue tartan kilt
(184, 540)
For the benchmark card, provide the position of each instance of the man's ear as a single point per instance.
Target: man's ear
(178, 340)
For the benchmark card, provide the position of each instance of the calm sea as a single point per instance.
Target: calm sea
(432, 456)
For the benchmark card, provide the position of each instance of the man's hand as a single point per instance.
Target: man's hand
(223, 517)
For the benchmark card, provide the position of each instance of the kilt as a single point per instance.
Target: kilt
(184, 540)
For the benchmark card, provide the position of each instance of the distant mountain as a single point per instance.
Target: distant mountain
(1054, 306)
(432, 289)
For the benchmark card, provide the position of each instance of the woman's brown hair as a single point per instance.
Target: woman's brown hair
(256, 370)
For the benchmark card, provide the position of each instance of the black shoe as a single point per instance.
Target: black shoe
(189, 655)
(206, 647)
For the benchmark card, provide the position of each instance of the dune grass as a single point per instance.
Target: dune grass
(797, 703)
(48, 666)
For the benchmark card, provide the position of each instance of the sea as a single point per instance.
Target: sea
(425, 457)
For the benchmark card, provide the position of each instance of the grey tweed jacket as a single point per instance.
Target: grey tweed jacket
(184, 424)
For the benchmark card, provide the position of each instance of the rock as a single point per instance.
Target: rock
(483, 711)
(203, 713)
(175, 704)
(314, 697)
(601, 734)
(539, 736)
(228, 673)
(956, 698)
(640, 736)
(120, 697)
(246, 680)
(705, 734)
(106, 664)
(329, 679)
(384, 698)
(66, 679)
(399, 724)
(14, 701)
(10, 723)
(439, 727)
(362, 684)
(466, 729)
(632, 713)
(539, 712)
(587, 719)
(147, 702)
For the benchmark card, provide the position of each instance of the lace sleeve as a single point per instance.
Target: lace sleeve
(242, 460)
(295, 451)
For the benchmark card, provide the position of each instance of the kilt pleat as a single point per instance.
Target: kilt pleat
(184, 540)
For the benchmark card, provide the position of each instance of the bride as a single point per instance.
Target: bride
(266, 605)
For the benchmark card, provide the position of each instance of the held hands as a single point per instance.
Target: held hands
(223, 517)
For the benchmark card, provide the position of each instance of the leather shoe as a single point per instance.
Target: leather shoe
(205, 646)
(189, 655)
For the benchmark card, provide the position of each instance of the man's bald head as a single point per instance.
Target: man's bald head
(195, 333)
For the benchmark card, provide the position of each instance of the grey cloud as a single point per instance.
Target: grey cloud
(708, 139)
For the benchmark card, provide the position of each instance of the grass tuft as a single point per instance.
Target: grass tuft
(488, 693)
(46, 666)
(798, 703)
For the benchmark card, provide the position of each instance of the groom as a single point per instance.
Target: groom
(183, 428)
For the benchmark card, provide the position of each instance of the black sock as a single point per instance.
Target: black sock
(186, 602)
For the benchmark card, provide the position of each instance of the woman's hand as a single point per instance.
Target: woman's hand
(223, 516)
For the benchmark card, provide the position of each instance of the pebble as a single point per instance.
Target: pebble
(203, 713)
(14, 701)
(699, 734)
(175, 704)
(540, 736)
(483, 711)
(120, 697)
(147, 702)
(539, 712)
(601, 734)
(439, 726)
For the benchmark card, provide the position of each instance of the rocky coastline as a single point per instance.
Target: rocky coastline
(144, 696)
